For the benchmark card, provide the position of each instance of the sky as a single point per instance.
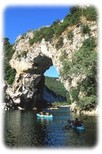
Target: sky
(18, 20)
(52, 72)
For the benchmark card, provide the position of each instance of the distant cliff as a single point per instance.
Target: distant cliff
(70, 45)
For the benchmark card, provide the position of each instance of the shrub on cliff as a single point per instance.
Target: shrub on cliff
(85, 29)
(59, 43)
(90, 13)
(73, 17)
(44, 32)
(70, 35)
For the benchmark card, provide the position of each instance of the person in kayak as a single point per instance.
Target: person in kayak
(47, 113)
(77, 123)
(41, 113)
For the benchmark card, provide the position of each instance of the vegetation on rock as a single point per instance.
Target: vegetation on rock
(85, 29)
(57, 27)
(59, 43)
(56, 86)
(84, 62)
(9, 73)
(70, 35)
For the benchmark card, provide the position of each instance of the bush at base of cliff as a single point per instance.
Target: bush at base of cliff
(87, 103)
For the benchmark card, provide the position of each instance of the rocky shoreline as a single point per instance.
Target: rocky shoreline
(72, 107)
(91, 112)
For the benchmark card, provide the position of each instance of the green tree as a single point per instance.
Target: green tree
(9, 73)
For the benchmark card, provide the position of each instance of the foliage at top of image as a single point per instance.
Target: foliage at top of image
(90, 13)
(57, 27)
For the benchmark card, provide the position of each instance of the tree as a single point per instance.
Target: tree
(9, 73)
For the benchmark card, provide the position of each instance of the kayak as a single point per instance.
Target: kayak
(44, 116)
(80, 128)
(77, 128)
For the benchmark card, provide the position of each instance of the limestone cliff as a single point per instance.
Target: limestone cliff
(31, 61)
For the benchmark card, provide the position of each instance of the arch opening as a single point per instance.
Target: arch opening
(51, 72)
(53, 91)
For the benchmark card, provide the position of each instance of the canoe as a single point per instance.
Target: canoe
(44, 116)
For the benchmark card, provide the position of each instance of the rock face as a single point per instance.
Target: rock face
(31, 61)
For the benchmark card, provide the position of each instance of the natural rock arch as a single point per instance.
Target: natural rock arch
(26, 91)
(31, 61)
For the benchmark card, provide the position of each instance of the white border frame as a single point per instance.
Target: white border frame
(97, 4)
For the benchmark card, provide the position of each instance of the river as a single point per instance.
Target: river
(24, 129)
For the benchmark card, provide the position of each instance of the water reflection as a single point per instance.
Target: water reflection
(23, 128)
(44, 121)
